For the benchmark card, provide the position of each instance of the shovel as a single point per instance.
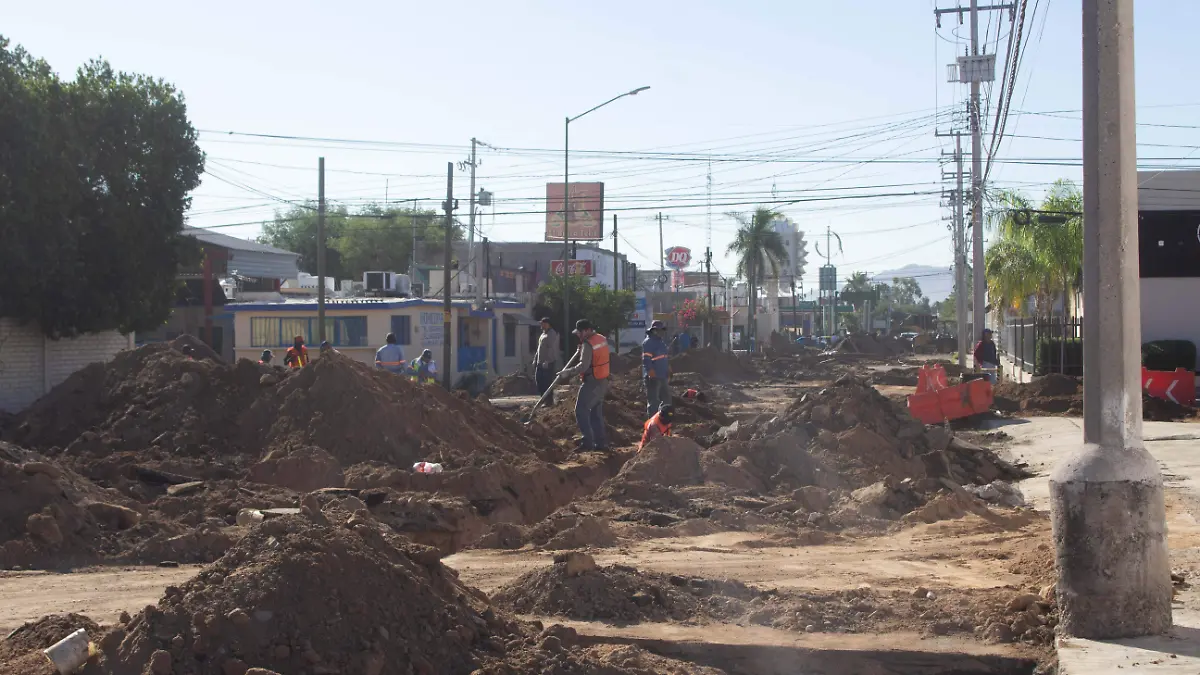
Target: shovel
(527, 418)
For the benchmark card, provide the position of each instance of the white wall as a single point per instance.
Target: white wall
(1168, 309)
(31, 364)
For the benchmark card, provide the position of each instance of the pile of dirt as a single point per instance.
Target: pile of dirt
(1052, 394)
(516, 384)
(716, 366)
(898, 377)
(288, 598)
(872, 345)
(1158, 410)
(576, 588)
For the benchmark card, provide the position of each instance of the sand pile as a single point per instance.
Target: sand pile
(716, 366)
(289, 598)
(1048, 394)
(516, 384)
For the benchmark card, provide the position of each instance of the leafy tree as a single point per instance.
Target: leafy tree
(760, 252)
(906, 292)
(374, 237)
(94, 180)
(1037, 253)
(858, 282)
(607, 309)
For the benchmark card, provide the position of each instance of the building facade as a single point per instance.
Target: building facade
(32, 364)
(1169, 251)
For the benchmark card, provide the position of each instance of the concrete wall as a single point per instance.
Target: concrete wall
(31, 364)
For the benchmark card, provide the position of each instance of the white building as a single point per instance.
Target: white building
(32, 364)
(1169, 250)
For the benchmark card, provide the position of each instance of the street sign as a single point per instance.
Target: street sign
(828, 278)
(578, 268)
(678, 257)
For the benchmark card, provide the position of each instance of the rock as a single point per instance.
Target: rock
(551, 643)
(1023, 624)
(810, 628)
(111, 640)
(168, 563)
(1023, 602)
(716, 470)
(234, 667)
(113, 515)
(310, 507)
(998, 633)
(567, 636)
(1048, 592)
(730, 432)
(352, 504)
(44, 468)
(160, 660)
(938, 436)
(303, 469)
(643, 598)
(920, 592)
(238, 617)
(268, 380)
(820, 414)
(246, 517)
(43, 528)
(185, 488)
(813, 498)
(579, 563)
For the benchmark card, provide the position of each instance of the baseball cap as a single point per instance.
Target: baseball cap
(656, 324)
(582, 324)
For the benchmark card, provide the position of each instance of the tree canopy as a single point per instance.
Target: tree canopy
(1037, 253)
(759, 249)
(374, 237)
(94, 180)
(607, 309)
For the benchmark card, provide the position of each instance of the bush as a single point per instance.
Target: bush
(1169, 355)
(1051, 355)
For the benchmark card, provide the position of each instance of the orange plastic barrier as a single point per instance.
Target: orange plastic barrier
(1178, 386)
(936, 401)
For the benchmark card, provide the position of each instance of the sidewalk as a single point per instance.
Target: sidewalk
(1043, 442)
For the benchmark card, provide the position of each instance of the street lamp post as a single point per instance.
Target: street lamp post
(566, 213)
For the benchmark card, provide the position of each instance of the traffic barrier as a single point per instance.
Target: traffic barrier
(936, 401)
(1178, 387)
(931, 378)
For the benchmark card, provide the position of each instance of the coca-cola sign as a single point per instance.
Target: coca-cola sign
(578, 268)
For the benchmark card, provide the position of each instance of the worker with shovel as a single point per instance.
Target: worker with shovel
(592, 368)
(655, 370)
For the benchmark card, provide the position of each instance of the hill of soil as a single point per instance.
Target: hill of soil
(714, 365)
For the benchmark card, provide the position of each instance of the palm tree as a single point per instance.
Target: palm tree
(760, 251)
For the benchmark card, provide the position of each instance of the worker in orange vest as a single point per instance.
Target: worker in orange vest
(592, 368)
(296, 355)
(659, 425)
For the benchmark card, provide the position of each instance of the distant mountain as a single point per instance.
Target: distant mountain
(936, 282)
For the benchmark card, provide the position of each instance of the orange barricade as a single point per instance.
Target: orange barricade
(1177, 387)
(936, 401)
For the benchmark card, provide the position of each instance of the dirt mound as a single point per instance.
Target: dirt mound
(1049, 394)
(578, 590)
(1159, 410)
(872, 345)
(288, 598)
(715, 366)
(899, 377)
(38, 635)
(517, 384)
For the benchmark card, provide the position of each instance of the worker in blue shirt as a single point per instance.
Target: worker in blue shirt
(655, 371)
(390, 356)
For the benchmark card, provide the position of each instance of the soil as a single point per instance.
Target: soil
(715, 366)
(1056, 394)
(255, 608)
(517, 384)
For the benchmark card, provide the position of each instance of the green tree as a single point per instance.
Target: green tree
(906, 292)
(1037, 252)
(760, 252)
(94, 180)
(608, 310)
(858, 282)
(373, 237)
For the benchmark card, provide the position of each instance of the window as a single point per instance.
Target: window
(510, 339)
(342, 331)
(402, 328)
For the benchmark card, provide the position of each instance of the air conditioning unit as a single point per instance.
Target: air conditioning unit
(418, 290)
(386, 283)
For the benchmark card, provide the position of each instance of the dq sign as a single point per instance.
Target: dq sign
(678, 257)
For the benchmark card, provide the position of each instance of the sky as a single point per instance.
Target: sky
(825, 111)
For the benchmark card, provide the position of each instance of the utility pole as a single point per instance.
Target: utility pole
(662, 267)
(979, 304)
(960, 258)
(616, 285)
(1106, 498)
(320, 250)
(446, 307)
(708, 285)
(412, 259)
(474, 263)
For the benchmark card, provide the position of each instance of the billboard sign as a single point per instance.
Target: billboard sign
(577, 268)
(638, 318)
(585, 210)
(678, 257)
(432, 325)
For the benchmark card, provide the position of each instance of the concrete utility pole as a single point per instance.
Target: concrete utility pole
(471, 230)
(1106, 498)
(979, 302)
(662, 267)
(616, 285)
(320, 250)
(446, 305)
(960, 259)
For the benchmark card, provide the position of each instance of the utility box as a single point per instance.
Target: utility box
(978, 68)
(386, 283)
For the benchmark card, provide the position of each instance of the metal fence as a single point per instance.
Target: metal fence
(1061, 339)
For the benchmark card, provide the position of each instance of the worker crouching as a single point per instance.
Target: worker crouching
(657, 426)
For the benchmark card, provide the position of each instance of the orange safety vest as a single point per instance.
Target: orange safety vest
(600, 356)
(654, 428)
(297, 358)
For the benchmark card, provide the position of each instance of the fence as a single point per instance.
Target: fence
(1040, 346)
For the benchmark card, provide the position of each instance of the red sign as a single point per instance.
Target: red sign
(585, 209)
(678, 257)
(1178, 387)
(579, 268)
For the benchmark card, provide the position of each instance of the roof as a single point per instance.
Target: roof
(250, 258)
(333, 304)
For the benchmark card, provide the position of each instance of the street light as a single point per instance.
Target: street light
(567, 212)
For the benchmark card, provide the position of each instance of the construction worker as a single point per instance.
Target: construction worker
(986, 358)
(296, 355)
(592, 368)
(424, 369)
(265, 359)
(545, 360)
(390, 356)
(656, 426)
(655, 370)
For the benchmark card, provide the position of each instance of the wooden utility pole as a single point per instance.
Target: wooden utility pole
(446, 308)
